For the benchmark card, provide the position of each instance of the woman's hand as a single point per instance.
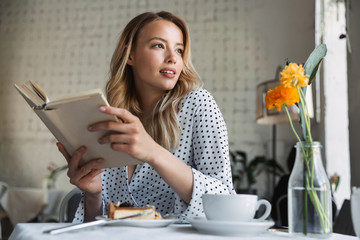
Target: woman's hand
(128, 136)
(86, 177)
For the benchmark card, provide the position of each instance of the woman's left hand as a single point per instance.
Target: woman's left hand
(128, 136)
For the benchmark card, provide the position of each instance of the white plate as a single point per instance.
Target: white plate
(229, 228)
(140, 223)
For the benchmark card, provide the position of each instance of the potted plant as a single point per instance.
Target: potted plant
(245, 172)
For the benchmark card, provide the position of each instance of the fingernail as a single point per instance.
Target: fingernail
(100, 160)
(90, 128)
(102, 109)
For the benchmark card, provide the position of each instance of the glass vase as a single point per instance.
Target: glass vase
(309, 194)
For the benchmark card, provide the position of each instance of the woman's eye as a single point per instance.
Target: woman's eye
(158, 45)
(180, 51)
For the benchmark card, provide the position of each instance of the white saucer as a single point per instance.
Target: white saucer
(229, 228)
(140, 223)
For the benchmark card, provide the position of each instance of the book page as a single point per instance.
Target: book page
(76, 96)
(37, 89)
(32, 98)
(72, 120)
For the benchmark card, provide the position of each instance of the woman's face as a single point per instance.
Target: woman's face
(157, 59)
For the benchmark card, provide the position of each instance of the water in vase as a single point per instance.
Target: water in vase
(313, 226)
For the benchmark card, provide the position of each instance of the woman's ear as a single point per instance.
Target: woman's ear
(130, 60)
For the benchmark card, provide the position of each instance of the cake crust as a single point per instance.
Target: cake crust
(116, 212)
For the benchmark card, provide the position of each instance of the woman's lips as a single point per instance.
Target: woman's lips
(169, 73)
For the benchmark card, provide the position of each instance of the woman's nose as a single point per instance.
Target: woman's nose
(171, 57)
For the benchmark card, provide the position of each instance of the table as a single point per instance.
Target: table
(32, 231)
(25, 204)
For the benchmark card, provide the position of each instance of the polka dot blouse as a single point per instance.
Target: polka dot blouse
(203, 146)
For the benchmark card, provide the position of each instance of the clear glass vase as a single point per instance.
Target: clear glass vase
(309, 194)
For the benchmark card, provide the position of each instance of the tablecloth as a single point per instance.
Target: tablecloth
(24, 204)
(32, 231)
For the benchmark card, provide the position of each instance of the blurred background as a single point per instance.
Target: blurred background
(66, 46)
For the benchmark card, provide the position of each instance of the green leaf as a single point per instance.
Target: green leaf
(302, 122)
(312, 63)
(252, 168)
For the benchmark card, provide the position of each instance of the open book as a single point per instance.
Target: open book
(68, 119)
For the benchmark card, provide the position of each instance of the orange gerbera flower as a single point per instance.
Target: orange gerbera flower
(281, 95)
(294, 75)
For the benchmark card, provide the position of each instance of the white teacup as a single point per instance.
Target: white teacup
(355, 209)
(234, 207)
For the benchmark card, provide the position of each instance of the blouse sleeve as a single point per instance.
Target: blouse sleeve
(211, 164)
(79, 214)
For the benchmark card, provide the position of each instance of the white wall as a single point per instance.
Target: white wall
(335, 89)
(66, 46)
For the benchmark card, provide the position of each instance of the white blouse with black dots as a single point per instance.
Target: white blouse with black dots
(203, 146)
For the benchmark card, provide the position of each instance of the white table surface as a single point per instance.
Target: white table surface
(32, 231)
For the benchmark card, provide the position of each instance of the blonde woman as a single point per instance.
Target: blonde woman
(169, 123)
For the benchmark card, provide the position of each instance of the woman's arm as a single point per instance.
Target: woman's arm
(132, 138)
(175, 173)
(205, 148)
(86, 178)
(93, 206)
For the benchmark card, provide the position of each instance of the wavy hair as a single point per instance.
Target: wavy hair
(120, 89)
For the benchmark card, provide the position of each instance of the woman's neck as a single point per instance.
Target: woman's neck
(148, 102)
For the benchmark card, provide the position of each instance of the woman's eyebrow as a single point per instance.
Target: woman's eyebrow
(163, 40)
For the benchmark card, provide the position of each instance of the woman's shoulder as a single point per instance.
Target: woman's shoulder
(198, 96)
(199, 100)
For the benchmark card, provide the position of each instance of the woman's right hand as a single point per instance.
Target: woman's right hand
(86, 177)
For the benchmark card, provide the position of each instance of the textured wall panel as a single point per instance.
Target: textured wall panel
(66, 46)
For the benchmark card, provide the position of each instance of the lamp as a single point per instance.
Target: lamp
(273, 117)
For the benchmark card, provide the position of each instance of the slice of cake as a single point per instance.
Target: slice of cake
(117, 211)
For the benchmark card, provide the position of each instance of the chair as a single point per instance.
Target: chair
(282, 211)
(3, 188)
(343, 222)
(5, 224)
(69, 205)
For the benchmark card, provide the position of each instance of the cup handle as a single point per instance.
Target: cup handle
(267, 212)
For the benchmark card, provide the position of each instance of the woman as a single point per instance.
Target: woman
(169, 123)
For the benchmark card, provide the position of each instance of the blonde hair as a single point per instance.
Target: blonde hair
(164, 125)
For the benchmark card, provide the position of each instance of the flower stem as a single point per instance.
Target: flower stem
(309, 188)
(291, 124)
(306, 114)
